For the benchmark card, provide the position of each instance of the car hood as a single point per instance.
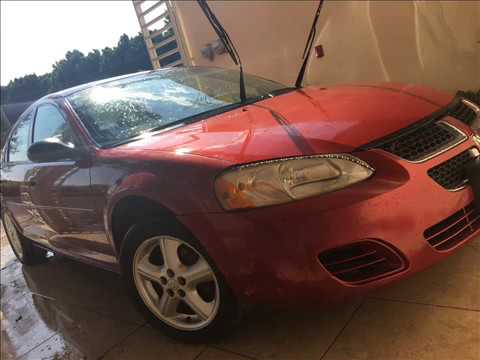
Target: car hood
(312, 120)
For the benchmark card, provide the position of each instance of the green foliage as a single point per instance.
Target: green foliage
(4, 128)
(130, 55)
(26, 88)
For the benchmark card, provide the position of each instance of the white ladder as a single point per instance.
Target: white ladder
(160, 32)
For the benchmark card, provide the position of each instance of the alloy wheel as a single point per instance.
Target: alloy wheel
(176, 283)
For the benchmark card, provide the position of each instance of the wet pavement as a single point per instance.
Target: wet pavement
(67, 310)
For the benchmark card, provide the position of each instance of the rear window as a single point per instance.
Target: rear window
(123, 109)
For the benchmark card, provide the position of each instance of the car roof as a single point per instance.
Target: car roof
(72, 90)
(141, 74)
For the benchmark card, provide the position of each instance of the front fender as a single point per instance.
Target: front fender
(182, 185)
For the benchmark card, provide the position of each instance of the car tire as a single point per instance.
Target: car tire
(24, 249)
(175, 300)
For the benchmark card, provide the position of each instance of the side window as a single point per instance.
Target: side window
(18, 145)
(51, 123)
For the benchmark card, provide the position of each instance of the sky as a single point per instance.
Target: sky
(36, 34)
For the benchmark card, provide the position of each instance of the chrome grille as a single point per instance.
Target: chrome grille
(424, 141)
(465, 111)
(362, 261)
(452, 174)
(454, 229)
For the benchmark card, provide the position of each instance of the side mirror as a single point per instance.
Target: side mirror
(49, 151)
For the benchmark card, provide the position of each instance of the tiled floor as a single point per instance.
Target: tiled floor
(66, 310)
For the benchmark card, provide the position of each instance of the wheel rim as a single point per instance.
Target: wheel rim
(176, 283)
(13, 236)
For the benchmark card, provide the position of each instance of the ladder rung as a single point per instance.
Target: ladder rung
(175, 63)
(158, 18)
(153, 7)
(167, 54)
(159, 32)
(164, 42)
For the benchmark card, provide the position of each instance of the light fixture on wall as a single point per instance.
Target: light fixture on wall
(210, 50)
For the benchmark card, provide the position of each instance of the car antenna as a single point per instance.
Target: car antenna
(308, 46)
(227, 42)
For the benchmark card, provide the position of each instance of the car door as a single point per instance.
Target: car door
(60, 191)
(13, 173)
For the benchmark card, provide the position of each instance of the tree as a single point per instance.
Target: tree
(69, 71)
(130, 55)
(27, 88)
(4, 128)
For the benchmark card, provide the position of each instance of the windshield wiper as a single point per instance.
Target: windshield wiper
(227, 42)
(308, 46)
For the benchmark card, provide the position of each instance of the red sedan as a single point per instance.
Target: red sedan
(204, 201)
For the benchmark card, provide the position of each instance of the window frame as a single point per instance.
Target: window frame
(61, 112)
(22, 117)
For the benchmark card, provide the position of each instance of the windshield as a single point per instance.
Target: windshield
(120, 110)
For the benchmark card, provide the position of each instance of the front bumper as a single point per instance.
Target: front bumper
(270, 255)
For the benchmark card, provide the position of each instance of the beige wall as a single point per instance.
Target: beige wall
(436, 43)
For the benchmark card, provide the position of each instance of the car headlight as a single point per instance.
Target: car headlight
(284, 180)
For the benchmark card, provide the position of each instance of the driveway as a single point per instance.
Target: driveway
(66, 310)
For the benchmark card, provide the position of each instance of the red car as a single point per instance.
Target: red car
(205, 202)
